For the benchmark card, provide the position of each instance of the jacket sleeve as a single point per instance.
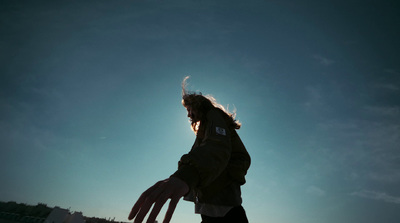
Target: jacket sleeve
(204, 163)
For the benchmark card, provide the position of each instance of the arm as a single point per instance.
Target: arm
(200, 167)
(205, 162)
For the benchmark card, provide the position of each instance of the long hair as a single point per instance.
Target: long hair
(202, 104)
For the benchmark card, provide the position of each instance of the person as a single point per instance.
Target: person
(210, 175)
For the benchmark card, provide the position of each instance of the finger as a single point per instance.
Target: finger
(171, 209)
(151, 199)
(157, 208)
(143, 211)
(141, 200)
(136, 208)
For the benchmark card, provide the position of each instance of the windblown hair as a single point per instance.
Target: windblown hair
(202, 104)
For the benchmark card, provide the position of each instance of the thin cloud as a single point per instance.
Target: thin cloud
(313, 190)
(388, 86)
(392, 71)
(362, 143)
(381, 196)
(323, 60)
(314, 97)
(388, 111)
(389, 176)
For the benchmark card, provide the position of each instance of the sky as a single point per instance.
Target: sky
(91, 114)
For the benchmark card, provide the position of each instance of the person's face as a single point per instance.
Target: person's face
(192, 114)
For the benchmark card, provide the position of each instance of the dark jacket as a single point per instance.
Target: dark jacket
(217, 163)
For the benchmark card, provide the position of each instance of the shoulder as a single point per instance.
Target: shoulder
(217, 123)
(215, 114)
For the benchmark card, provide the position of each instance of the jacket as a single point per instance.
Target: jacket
(217, 163)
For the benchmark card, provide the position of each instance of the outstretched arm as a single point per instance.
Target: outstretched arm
(172, 188)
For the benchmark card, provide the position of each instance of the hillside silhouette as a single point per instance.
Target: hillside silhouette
(24, 213)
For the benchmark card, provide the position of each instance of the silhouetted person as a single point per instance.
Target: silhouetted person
(210, 175)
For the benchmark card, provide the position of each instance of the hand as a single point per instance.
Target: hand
(172, 188)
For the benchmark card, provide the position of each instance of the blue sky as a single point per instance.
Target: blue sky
(90, 112)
